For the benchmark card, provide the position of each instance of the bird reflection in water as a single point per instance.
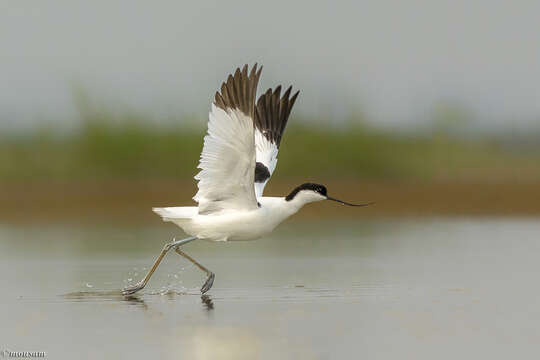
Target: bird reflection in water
(135, 300)
(106, 296)
(207, 302)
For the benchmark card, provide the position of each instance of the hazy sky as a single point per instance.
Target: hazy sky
(392, 59)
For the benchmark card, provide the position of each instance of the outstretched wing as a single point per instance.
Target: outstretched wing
(226, 179)
(271, 115)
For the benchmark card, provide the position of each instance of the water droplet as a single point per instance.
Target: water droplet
(89, 285)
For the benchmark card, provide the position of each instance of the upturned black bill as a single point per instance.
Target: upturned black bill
(346, 203)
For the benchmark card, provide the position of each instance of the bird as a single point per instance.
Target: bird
(238, 158)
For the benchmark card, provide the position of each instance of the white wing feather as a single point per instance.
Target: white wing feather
(226, 179)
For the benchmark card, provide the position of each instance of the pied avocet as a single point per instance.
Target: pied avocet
(238, 157)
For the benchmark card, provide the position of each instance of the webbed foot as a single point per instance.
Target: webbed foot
(208, 284)
(130, 290)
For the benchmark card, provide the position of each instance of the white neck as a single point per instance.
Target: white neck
(283, 208)
(279, 208)
(291, 207)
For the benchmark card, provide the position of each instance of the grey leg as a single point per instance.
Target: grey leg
(209, 280)
(141, 284)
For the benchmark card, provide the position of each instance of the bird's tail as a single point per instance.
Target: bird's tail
(176, 213)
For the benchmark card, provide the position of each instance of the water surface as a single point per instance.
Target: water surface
(377, 289)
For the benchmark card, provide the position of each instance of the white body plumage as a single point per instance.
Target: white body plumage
(237, 225)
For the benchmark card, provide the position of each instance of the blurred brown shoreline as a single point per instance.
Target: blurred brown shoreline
(131, 201)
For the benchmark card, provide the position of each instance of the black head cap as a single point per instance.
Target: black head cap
(321, 189)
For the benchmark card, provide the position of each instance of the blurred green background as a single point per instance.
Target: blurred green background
(119, 164)
(128, 145)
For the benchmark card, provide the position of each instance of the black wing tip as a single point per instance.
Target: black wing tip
(272, 112)
(239, 90)
(293, 98)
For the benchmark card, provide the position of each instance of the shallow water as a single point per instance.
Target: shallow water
(377, 289)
